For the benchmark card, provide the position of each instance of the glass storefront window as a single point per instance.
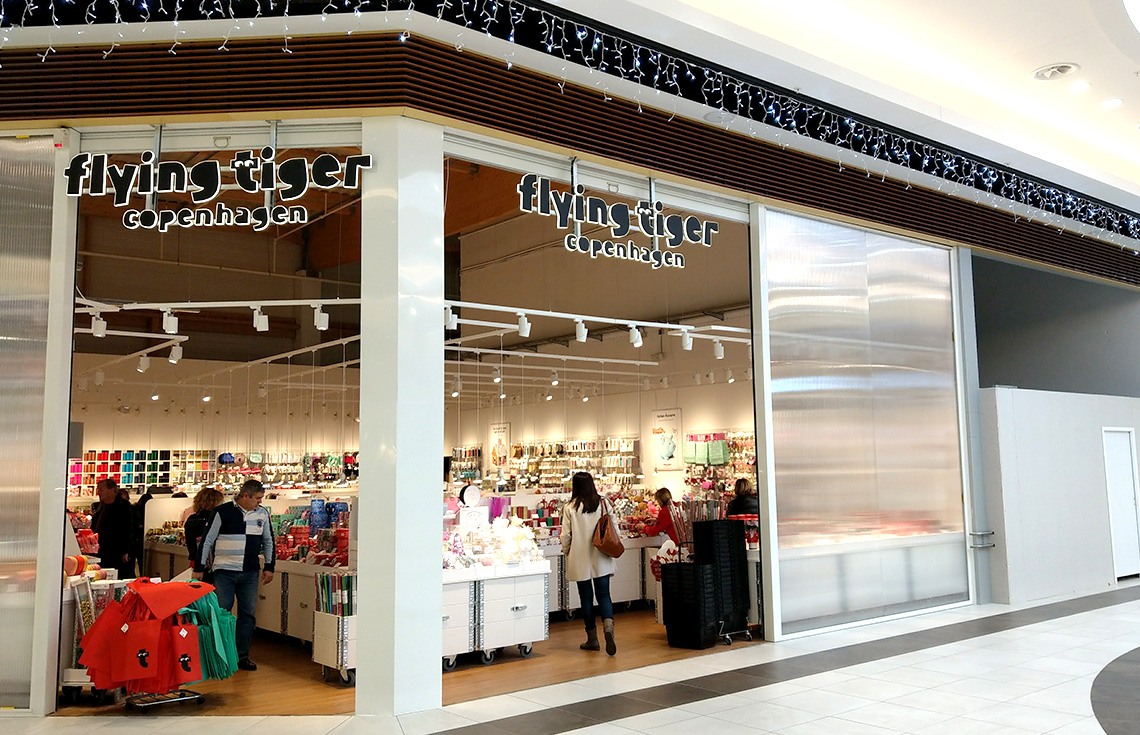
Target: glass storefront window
(864, 400)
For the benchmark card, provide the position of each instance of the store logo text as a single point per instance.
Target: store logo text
(93, 174)
(537, 195)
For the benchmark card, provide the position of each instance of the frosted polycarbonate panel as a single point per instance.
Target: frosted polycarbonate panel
(865, 419)
(26, 172)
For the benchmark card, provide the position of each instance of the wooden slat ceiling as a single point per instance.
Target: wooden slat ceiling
(362, 71)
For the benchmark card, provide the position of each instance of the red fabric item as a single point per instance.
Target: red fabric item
(115, 658)
(136, 650)
(664, 524)
(185, 653)
(165, 599)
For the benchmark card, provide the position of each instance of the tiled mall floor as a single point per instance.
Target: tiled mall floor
(1033, 674)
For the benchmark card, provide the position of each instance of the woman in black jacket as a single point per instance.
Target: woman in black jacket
(114, 522)
(194, 529)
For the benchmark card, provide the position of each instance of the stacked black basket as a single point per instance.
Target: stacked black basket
(688, 594)
(721, 543)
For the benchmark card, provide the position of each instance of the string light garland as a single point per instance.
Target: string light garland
(616, 55)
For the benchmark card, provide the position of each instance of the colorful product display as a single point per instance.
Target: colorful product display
(502, 541)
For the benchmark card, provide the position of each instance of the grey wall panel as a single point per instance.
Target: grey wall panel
(865, 415)
(26, 185)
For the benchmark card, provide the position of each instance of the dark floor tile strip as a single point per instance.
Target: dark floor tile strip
(609, 708)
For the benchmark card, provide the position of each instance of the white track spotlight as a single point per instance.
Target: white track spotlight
(144, 364)
(450, 320)
(585, 398)
(260, 321)
(175, 354)
(697, 378)
(262, 392)
(524, 326)
(554, 377)
(98, 326)
(718, 349)
(664, 381)
(99, 377)
(711, 377)
(169, 322)
(645, 383)
(634, 336)
(154, 397)
(497, 375)
(83, 384)
(686, 340)
(503, 395)
(580, 330)
(748, 373)
(456, 387)
(205, 399)
(320, 318)
(549, 396)
(728, 377)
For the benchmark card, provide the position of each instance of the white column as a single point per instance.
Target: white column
(970, 432)
(401, 419)
(765, 460)
(57, 415)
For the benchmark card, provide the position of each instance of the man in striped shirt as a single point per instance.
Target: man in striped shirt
(236, 536)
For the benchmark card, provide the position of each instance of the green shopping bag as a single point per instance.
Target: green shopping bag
(689, 452)
(718, 451)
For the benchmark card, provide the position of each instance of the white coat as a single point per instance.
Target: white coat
(583, 561)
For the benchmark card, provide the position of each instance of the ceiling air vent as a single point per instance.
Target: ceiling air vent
(1052, 72)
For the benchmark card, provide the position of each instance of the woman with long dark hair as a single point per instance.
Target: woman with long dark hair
(586, 565)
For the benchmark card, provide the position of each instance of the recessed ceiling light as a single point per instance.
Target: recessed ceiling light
(1112, 104)
(1079, 87)
(1052, 72)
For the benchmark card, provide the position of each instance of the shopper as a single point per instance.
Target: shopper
(746, 502)
(665, 517)
(238, 532)
(584, 563)
(194, 529)
(113, 521)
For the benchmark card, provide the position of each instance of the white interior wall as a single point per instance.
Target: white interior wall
(1046, 490)
(703, 408)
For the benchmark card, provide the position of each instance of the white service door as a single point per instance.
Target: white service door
(1120, 471)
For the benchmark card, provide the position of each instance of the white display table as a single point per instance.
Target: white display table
(488, 608)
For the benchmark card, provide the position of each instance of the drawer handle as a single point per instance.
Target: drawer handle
(446, 618)
(304, 606)
(518, 608)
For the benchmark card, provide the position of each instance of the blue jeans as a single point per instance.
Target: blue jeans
(242, 585)
(605, 604)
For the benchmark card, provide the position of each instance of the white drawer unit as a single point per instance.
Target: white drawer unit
(301, 602)
(488, 615)
(268, 610)
(459, 621)
(625, 585)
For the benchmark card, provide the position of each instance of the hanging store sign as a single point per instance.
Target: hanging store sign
(255, 172)
(673, 230)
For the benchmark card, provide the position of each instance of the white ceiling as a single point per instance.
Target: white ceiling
(958, 71)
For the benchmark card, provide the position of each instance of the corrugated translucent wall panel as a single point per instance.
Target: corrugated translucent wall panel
(26, 172)
(864, 402)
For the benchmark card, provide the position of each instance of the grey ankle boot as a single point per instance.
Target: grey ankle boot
(591, 643)
(608, 628)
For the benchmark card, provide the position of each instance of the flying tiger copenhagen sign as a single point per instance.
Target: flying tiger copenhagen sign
(537, 195)
(253, 171)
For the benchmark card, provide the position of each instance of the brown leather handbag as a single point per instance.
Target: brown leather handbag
(606, 537)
